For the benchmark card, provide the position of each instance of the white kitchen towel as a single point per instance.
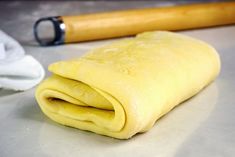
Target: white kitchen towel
(17, 70)
(10, 49)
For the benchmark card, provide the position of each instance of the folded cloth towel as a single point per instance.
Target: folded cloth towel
(17, 70)
(10, 49)
(121, 89)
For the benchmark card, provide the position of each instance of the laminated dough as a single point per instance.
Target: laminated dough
(123, 88)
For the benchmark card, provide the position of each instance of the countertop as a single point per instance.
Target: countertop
(203, 126)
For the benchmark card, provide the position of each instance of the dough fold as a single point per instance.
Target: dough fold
(122, 88)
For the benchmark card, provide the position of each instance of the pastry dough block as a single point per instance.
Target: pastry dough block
(123, 88)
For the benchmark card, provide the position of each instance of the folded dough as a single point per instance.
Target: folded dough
(121, 89)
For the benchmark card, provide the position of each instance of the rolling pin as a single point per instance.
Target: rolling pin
(70, 29)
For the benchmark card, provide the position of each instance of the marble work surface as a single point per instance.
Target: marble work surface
(201, 127)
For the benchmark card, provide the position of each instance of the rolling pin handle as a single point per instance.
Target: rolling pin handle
(59, 31)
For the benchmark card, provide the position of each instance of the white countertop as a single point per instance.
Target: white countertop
(203, 126)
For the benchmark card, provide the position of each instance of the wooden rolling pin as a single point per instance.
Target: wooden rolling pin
(130, 22)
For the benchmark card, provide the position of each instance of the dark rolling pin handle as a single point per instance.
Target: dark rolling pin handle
(58, 31)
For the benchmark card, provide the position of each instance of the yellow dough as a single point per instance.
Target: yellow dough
(121, 89)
